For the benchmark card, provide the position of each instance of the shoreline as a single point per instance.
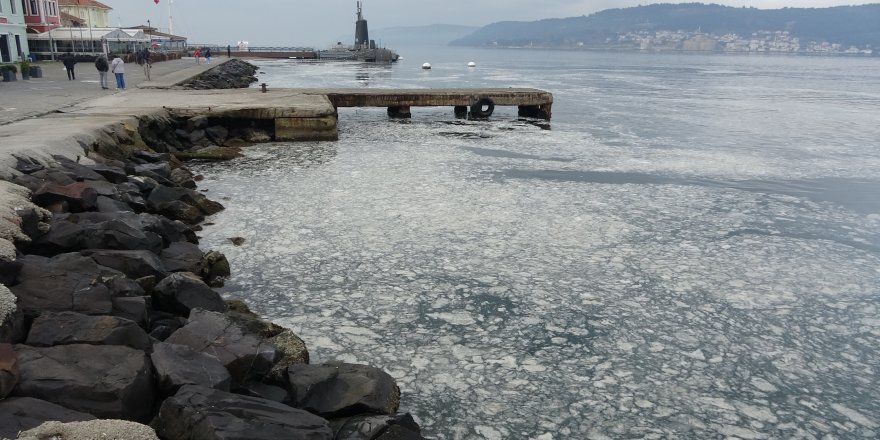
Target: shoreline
(148, 309)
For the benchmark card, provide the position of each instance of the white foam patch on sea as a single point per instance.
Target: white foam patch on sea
(514, 307)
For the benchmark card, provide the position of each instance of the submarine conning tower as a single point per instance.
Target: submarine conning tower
(361, 33)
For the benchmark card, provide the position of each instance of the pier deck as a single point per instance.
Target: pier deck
(531, 102)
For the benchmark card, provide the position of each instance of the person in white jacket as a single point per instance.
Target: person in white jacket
(117, 66)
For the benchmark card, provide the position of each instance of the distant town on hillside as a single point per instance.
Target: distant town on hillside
(845, 30)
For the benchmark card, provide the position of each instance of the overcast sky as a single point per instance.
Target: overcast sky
(319, 23)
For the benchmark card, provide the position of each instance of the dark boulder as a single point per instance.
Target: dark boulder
(178, 365)
(75, 170)
(122, 286)
(151, 157)
(293, 351)
(171, 231)
(135, 308)
(264, 391)
(62, 283)
(106, 204)
(109, 381)
(64, 328)
(78, 196)
(34, 222)
(162, 196)
(377, 427)
(113, 174)
(215, 268)
(217, 134)
(182, 177)
(183, 291)
(340, 389)
(134, 264)
(197, 412)
(22, 413)
(244, 354)
(96, 230)
(182, 257)
(162, 169)
(27, 165)
(8, 369)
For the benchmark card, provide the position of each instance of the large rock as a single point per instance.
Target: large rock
(183, 291)
(65, 328)
(134, 308)
(8, 369)
(61, 283)
(171, 231)
(22, 413)
(96, 230)
(182, 257)
(293, 351)
(176, 203)
(377, 427)
(11, 317)
(178, 365)
(203, 413)
(78, 196)
(105, 380)
(134, 264)
(91, 430)
(338, 389)
(244, 354)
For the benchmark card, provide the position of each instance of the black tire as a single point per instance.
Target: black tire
(477, 110)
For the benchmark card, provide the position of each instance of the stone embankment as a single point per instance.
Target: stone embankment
(108, 311)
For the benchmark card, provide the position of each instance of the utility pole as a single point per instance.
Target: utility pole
(170, 19)
(44, 19)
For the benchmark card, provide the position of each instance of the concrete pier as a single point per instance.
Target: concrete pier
(531, 102)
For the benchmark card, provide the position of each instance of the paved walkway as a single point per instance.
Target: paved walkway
(36, 97)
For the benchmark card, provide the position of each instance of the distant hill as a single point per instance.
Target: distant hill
(431, 35)
(848, 25)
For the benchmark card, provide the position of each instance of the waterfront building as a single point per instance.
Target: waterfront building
(161, 41)
(91, 13)
(13, 32)
(41, 15)
(88, 40)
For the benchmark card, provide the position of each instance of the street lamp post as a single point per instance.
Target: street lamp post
(49, 27)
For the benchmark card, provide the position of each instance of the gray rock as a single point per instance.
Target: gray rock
(78, 196)
(203, 413)
(50, 329)
(106, 204)
(109, 381)
(217, 134)
(96, 230)
(135, 308)
(23, 413)
(183, 291)
(61, 283)
(244, 354)
(340, 389)
(182, 257)
(8, 369)
(134, 264)
(178, 365)
(161, 169)
(377, 427)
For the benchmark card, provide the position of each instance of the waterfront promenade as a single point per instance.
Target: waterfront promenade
(25, 99)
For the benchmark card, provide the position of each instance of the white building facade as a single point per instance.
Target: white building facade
(13, 32)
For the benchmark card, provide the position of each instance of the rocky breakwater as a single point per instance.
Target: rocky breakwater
(108, 311)
(229, 75)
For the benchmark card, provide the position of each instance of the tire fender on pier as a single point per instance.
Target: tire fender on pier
(478, 110)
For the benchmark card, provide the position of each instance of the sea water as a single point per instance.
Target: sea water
(689, 249)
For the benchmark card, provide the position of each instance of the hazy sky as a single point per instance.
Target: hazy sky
(319, 23)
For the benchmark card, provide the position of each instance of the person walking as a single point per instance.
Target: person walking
(117, 66)
(198, 54)
(69, 61)
(103, 66)
(208, 55)
(148, 63)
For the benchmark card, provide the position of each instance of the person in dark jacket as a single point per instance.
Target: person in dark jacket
(103, 66)
(69, 61)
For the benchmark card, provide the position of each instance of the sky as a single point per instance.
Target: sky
(320, 23)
